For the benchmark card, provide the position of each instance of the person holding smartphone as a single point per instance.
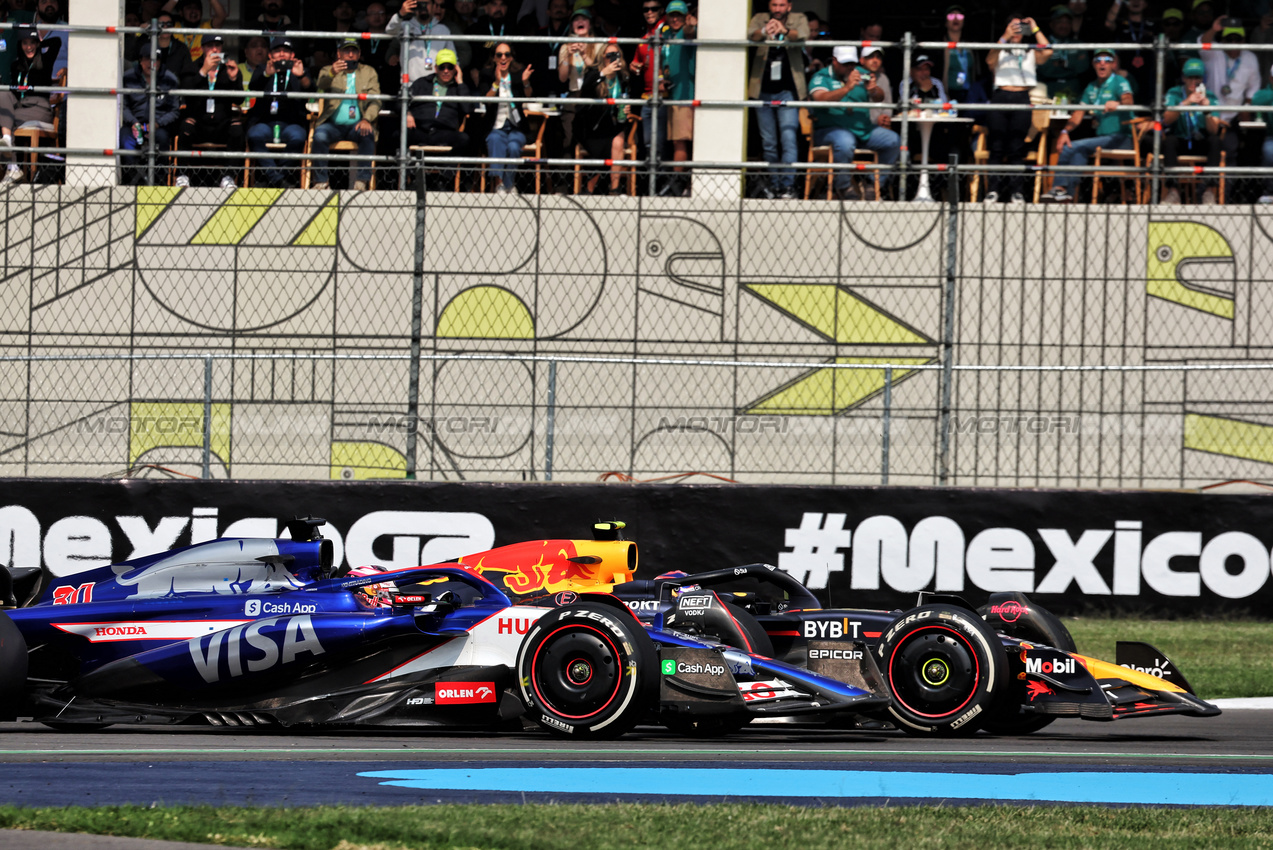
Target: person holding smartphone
(1015, 66)
(346, 115)
(208, 118)
(603, 129)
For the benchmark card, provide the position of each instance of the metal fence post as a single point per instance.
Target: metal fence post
(1155, 180)
(404, 106)
(904, 100)
(152, 95)
(417, 309)
(948, 331)
(656, 98)
(550, 430)
(207, 416)
(888, 420)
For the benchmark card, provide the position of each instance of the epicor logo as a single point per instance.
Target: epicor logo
(838, 654)
(1059, 667)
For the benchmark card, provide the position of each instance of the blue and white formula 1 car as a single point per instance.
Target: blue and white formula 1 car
(266, 632)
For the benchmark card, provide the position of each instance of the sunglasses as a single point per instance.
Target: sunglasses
(955, 16)
(503, 54)
(651, 8)
(1104, 61)
(163, 25)
(447, 67)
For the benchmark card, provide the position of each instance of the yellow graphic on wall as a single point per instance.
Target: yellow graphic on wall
(234, 219)
(826, 392)
(486, 312)
(321, 230)
(1174, 245)
(158, 424)
(359, 461)
(151, 203)
(1231, 437)
(836, 313)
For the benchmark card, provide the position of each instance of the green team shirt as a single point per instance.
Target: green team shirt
(1097, 94)
(857, 121)
(1190, 123)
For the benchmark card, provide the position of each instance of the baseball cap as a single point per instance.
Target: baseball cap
(1104, 51)
(581, 12)
(1197, 3)
(213, 41)
(447, 56)
(1173, 15)
(845, 55)
(281, 41)
(1194, 68)
(20, 33)
(1233, 26)
(677, 6)
(954, 8)
(921, 59)
(350, 42)
(867, 51)
(1061, 12)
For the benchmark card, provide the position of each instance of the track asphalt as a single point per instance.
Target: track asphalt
(1226, 760)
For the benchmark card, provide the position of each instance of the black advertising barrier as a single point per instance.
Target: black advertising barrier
(1129, 551)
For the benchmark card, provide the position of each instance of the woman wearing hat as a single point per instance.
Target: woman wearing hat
(33, 66)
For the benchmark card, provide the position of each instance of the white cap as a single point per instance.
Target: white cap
(867, 51)
(845, 55)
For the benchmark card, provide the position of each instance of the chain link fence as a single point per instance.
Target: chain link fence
(326, 334)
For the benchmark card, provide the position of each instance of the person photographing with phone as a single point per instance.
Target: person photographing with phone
(601, 128)
(1190, 132)
(209, 119)
(420, 21)
(346, 116)
(1015, 66)
(276, 118)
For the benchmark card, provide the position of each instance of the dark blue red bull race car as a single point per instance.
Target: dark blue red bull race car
(263, 632)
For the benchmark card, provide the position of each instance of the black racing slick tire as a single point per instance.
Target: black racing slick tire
(13, 667)
(945, 668)
(588, 671)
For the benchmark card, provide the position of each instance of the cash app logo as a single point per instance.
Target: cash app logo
(669, 667)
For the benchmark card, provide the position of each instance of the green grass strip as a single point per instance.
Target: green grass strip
(667, 827)
(1221, 658)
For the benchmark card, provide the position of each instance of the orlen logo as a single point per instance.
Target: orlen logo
(464, 693)
(1058, 667)
(1009, 611)
(514, 625)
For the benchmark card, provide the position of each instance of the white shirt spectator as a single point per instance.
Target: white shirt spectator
(1016, 68)
(1240, 76)
(428, 39)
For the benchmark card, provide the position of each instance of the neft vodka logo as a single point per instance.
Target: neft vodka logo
(248, 648)
(936, 555)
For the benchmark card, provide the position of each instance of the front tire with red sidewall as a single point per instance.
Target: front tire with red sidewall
(588, 671)
(945, 668)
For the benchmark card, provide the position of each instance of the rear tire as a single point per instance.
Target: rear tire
(945, 668)
(588, 671)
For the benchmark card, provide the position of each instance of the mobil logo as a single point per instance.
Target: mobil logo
(513, 625)
(1054, 667)
(463, 693)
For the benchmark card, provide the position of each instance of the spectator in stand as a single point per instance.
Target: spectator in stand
(603, 129)
(421, 21)
(347, 115)
(643, 66)
(777, 76)
(1264, 97)
(274, 118)
(211, 119)
(494, 23)
(946, 136)
(438, 122)
(574, 60)
(255, 54)
(9, 47)
(381, 54)
(458, 26)
(506, 79)
(1190, 132)
(678, 84)
(873, 62)
(33, 66)
(49, 22)
(816, 58)
(1015, 69)
(1105, 94)
(845, 128)
(344, 14)
(173, 55)
(1173, 27)
(543, 56)
(1133, 26)
(1201, 16)
(467, 13)
(272, 18)
(190, 17)
(532, 15)
(959, 64)
(1232, 78)
(137, 128)
(1064, 70)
